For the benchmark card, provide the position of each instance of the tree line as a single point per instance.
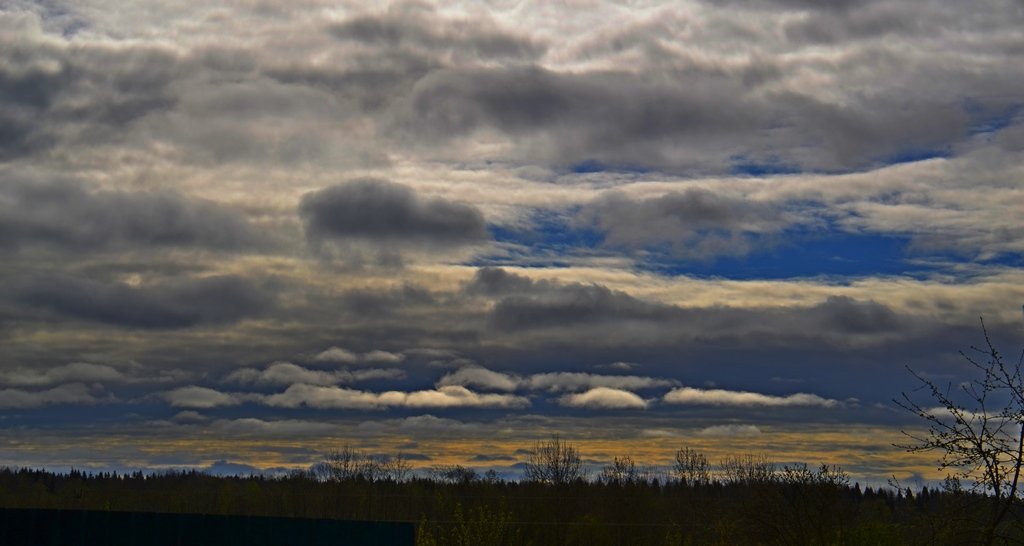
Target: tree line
(744, 499)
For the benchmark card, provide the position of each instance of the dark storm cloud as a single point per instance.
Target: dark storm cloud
(379, 210)
(614, 117)
(574, 304)
(168, 305)
(525, 304)
(856, 317)
(695, 222)
(494, 281)
(386, 302)
(50, 93)
(67, 215)
(697, 118)
(560, 311)
(460, 38)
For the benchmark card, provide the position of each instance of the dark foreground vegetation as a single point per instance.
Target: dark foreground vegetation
(744, 500)
(39, 527)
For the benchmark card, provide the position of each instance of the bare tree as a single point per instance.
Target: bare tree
(454, 473)
(691, 467)
(624, 470)
(978, 428)
(345, 464)
(351, 464)
(393, 468)
(748, 469)
(826, 474)
(554, 461)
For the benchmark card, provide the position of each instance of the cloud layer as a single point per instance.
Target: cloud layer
(411, 222)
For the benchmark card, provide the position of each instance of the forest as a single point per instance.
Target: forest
(744, 499)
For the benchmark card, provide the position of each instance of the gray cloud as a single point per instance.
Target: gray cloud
(171, 304)
(71, 393)
(379, 210)
(613, 117)
(702, 120)
(67, 215)
(722, 92)
(729, 431)
(460, 40)
(84, 372)
(845, 314)
(344, 356)
(802, 5)
(494, 281)
(694, 223)
(377, 303)
(574, 304)
(430, 423)
(196, 397)
(51, 94)
(262, 428)
(286, 373)
(568, 381)
(553, 311)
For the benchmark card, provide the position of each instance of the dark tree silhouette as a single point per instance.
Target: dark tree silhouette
(691, 467)
(977, 428)
(624, 470)
(554, 461)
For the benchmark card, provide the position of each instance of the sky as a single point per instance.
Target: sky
(236, 235)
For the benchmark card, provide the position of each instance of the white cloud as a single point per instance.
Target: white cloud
(188, 417)
(456, 396)
(729, 431)
(338, 397)
(337, 354)
(278, 427)
(286, 373)
(476, 376)
(604, 398)
(721, 397)
(623, 366)
(659, 433)
(383, 357)
(72, 393)
(202, 398)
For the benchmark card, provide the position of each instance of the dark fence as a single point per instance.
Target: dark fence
(87, 528)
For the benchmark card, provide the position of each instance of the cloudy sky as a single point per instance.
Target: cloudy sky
(252, 231)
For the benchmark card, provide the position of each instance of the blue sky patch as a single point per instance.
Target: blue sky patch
(744, 166)
(789, 255)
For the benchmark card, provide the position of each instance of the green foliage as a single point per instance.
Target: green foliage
(480, 525)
